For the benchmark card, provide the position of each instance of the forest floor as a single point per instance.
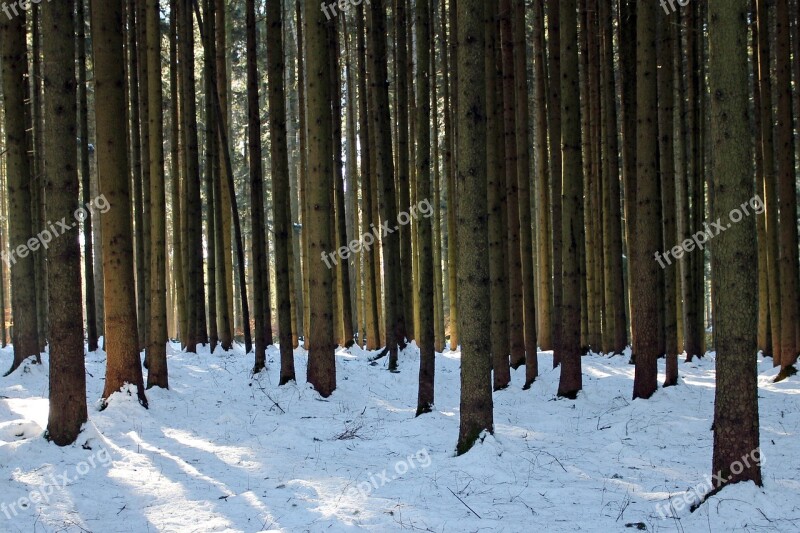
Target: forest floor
(222, 451)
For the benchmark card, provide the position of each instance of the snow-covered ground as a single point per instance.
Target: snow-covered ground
(222, 451)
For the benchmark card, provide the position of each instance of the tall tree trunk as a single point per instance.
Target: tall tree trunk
(393, 314)
(542, 201)
(526, 236)
(280, 187)
(617, 334)
(197, 331)
(734, 258)
(645, 269)
(176, 157)
(134, 110)
(211, 167)
(473, 273)
(340, 229)
(451, 98)
(144, 117)
(784, 155)
(666, 99)
(123, 365)
(626, 26)
(554, 138)
(404, 72)
(23, 282)
(496, 183)
(157, 349)
(321, 357)
(425, 334)
(570, 382)
(83, 113)
(371, 302)
(770, 194)
(515, 302)
(260, 253)
(67, 374)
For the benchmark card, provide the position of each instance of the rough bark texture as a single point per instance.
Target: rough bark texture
(425, 334)
(784, 155)
(644, 265)
(280, 187)
(123, 365)
(23, 283)
(570, 382)
(321, 360)
(261, 307)
(496, 225)
(157, 347)
(473, 273)
(736, 437)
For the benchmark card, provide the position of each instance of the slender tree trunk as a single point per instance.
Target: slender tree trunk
(516, 313)
(211, 166)
(393, 314)
(83, 113)
(645, 268)
(280, 188)
(627, 58)
(425, 334)
(197, 330)
(176, 157)
(666, 98)
(543, 199)
(473, 273)
(787, 190)
(371, 301)
(770, 194)
(157, 356)
(554, 137)
(260, 253)
(734, 258)
(123, 365)
(526, 236)
(497, 226)
(321, 357)
(340, 229)
(23, 281)
(570, 382)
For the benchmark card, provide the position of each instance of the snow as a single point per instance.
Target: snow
(223, 451)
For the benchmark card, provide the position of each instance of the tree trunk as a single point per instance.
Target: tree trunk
(497, 225)
(473, 273)
(666, 106)
(785, 167)
(23, 282)
(321, 356)
(393, 314)
(261, 302)
(280, 188)
(734, 259)
(123, 365)
(83, 113)
(425, 334)
(157, 357)
(570, 382)
(645, 268)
